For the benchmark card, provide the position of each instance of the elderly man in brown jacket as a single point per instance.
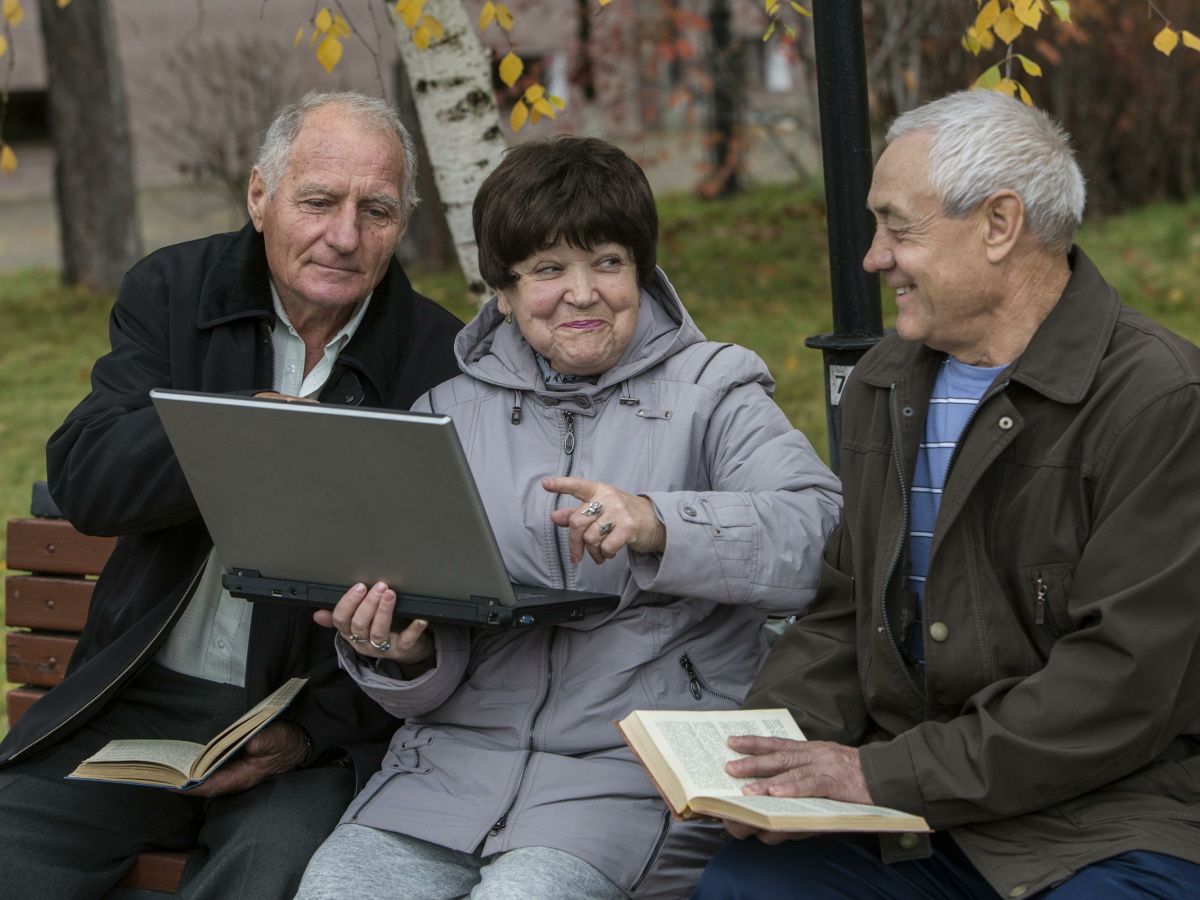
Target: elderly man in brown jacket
(1006, 639)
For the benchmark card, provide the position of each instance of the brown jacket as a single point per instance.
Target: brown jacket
(1058, 721)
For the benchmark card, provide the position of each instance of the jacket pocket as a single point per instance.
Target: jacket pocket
(699, 687)
(1048, 588)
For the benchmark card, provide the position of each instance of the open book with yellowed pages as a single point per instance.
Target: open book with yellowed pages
(685, 754)
(182, 764)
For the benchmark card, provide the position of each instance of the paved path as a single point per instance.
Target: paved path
(173, 211)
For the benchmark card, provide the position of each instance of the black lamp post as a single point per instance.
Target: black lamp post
(846, 150)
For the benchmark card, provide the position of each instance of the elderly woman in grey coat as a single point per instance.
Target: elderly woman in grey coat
(615, 450)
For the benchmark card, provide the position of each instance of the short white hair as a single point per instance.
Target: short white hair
(982, 141)
(373, 113)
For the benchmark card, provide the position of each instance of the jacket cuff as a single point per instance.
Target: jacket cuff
(702, 528)
(428, 691)
(891, 775)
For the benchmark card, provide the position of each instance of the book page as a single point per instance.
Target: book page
(229, 740)
(818, 807)
(177, 755)
(693, 744)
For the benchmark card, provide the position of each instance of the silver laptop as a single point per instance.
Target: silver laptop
(303, 500)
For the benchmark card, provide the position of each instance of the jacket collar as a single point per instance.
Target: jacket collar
(238, 287)
(1063, 355)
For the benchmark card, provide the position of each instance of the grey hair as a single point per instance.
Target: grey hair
(373, 113)
(983, 141)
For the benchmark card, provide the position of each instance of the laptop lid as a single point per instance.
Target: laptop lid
(336, 495)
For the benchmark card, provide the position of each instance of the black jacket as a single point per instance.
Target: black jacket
(197, 316)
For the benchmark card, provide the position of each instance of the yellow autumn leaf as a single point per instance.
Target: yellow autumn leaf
(422, 37)
(557, 101)
(1062, 9)
(767, 4)
(800, 9)
(1030, 67)
(1006, 86)
(433, 26)
(535, 116)
(504, 17)
(770, 31)
(1029, 12)
(3, 45)
(970, 42)
(518, 116)
(543, 106)
(8, 159)
(605, 2)
(511, 68)
(323, 21)
(14, 14)
(772, 10)
(62, 3)
(340, 27)
(1025, 95)
(1190, 40)
(987, 16)
(534, 93)
(487, 15)
(1008, 26)
(299, 35)
(1166, 40)
(312, 40)
(989, 79)
(410, 12)
(986, 39)
(329, 51)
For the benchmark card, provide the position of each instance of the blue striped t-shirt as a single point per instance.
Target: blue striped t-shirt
(956, 393)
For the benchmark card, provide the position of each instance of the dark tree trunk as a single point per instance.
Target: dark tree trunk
(428, 244)
(727, 89)
(93, 156)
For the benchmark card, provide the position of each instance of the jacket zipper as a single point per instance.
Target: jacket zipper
(136, 660)
(699, 686)
(1040, 603)
(663, 831)
(569, 449)
(388, 780)
(891, 572)
(502, 822)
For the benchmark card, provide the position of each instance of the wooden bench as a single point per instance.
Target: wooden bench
(51, 604)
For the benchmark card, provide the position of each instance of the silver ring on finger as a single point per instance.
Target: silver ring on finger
(384, 647)
(354, 639)
(606, 529)
(593, 508)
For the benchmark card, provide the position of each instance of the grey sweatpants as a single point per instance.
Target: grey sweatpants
(357, 861)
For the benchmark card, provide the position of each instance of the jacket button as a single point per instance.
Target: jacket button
(907, 411)
(909, 841)
(689, 510)
(1018, 891)
(938, 631)
(1005, 423)
(583, 402)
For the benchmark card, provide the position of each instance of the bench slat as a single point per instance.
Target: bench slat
(155, 870)
(20, 699)
(52, 545)
(39, 659)
(55, 604)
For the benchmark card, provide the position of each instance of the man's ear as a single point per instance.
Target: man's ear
(1004, 223)
(256, 198)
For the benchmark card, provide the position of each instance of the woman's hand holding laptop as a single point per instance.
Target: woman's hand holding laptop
(363, 618)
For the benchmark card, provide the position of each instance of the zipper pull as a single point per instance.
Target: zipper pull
(569, 441)
(1039, 616)
(500, 825)
(693, 678)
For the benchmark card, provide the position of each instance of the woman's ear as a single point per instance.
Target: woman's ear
(1004, 223)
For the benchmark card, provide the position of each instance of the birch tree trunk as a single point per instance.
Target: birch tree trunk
(452, 86)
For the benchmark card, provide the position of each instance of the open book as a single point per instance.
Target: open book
(182, 764)
(685, 754)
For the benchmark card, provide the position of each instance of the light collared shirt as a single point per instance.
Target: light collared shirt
(211, 640)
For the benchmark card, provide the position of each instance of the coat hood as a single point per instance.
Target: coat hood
(495, 351)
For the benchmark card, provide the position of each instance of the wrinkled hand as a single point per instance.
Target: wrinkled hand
(363, 618)
(627, 520)
(279, 747)
(788, 768)
(275, 395)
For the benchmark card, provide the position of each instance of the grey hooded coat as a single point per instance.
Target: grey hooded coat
(509, 741)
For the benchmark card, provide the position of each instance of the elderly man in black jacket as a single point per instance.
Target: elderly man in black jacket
(307, 300)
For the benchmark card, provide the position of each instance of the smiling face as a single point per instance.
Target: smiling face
(578, 308)
(335, 217)
(938, 266)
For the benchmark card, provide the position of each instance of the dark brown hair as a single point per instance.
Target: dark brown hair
(584, 191)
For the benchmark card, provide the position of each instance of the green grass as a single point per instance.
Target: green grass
(752, 270)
